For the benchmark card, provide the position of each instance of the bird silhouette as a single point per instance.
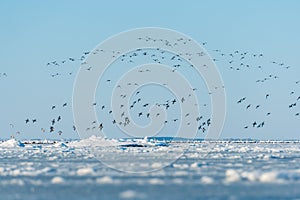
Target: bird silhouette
(51, 129)
(100, 127)
(237, 60)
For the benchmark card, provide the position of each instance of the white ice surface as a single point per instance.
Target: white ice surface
(269, 168)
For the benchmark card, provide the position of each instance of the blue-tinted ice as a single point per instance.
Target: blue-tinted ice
(229, 169)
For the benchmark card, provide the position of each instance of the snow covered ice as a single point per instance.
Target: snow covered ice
(227, 169)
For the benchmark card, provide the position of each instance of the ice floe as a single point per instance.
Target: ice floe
(12, 143)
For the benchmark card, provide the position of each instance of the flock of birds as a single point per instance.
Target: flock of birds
(53, 122)
(236, 60)
(254, 123)
(138, 103)
(240, 61)
(57, 64)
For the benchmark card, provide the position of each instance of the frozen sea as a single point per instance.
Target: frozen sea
(95, 168)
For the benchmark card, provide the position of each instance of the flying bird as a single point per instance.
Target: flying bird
(101, 127)
(267, 95)
(51, 129)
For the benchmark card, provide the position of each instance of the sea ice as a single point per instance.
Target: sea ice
(12, 143)
(57, 180)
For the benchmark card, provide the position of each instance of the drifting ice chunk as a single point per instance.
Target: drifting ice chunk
(12, 143)
(105, 180)
(94, 141)
(130, 194)
(232, 176)
(85, 171)
(206, 180)
(57, 180)
(268, 177)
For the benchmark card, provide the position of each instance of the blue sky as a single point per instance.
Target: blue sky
(35, 32)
